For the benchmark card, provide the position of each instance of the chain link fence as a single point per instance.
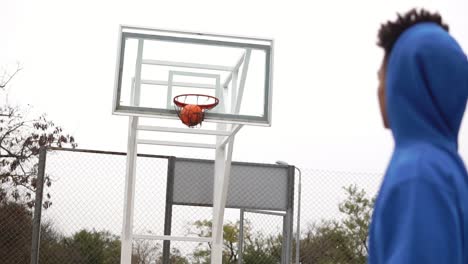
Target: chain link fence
(336, 208)
(83, 222)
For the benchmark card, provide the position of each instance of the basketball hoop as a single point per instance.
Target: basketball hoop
(191, 107)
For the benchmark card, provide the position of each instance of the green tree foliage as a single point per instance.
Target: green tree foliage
(175, 257)
(202, 228)
(258, 248)
(52, 249)
(90, 247)
(93, 247)
(337, 241)
(262, 249)
(343, 241)
(357, 209)
(325, 243)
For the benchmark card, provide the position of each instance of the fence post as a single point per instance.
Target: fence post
(168, 212)
(288, 219)
(36, 227)
(241, 237)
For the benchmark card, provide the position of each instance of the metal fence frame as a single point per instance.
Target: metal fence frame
(36, 227)
(288, 215)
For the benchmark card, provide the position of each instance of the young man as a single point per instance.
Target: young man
(421, 213)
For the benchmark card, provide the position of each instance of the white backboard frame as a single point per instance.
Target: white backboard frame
(265, 45)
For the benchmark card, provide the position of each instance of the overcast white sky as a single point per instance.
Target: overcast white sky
(325, 112)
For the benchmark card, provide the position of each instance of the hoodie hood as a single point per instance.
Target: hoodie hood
(426, 86)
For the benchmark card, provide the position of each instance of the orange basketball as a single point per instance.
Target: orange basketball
(191, 115)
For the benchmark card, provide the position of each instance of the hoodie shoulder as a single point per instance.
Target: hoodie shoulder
(422, 163)
(419, 215)
(416, 221)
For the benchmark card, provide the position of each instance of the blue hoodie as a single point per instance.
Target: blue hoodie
(421, 213)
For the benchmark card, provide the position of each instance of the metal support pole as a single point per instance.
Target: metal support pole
(284, 244)
(129, 200)
(241, 237)
(288, 223)
(130, 177)
(221, 184)
(298, 227)
(218, 212)
(36, 230)
(168, 212)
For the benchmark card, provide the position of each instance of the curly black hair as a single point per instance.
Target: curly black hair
(390, 31)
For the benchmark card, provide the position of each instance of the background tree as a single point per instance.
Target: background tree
(7, 74)
(21, 137)
(258, 248)
(335, 241)
(92, 247)
(344, 240)
(357, 209)
(145, 252)
(262, 249)
(176, 257)
(202, 253)
(326, 243)
(15, 233)
(52, 247)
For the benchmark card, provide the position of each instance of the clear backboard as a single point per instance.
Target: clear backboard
(154, 66)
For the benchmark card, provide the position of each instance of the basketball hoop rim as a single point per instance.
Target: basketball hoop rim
(202, 106)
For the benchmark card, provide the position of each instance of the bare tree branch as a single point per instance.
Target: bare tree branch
(3, 84)
(21, 138)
